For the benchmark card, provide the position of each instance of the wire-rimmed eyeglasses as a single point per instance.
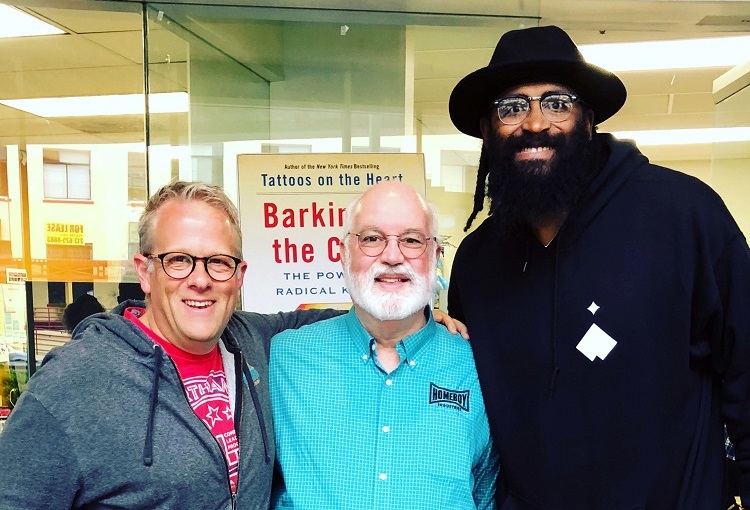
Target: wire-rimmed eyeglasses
(555, 106)
(178, 265)
(412, 244)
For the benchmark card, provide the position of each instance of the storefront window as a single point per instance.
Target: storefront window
(67, 122)
(67, 174)
(208, 83)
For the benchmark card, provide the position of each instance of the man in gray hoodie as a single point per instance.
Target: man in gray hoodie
(162, 404)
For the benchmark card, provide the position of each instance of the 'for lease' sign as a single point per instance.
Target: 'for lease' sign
(64, 233)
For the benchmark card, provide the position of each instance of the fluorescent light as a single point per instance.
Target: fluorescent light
(94, 106)
(15, 23)
(654, 55)
(685, 136)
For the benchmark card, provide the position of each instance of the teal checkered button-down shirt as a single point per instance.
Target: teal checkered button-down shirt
(350, 436)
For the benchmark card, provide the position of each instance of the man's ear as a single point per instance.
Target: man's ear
(241, 270)
(141, 269)
(590, 123)
(485, 126)
(342, 252)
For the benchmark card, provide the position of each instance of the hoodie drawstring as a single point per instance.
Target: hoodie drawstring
(258, 411)
(525, 256)
(554, 327)
(148, 447)
(556, 368)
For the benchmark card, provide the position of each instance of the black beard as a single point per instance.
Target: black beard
(534, 191)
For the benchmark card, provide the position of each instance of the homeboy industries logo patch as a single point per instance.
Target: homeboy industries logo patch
(455, 399)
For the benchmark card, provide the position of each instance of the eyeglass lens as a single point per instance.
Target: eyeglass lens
(555, 107)
(181, 265)
(411, 244)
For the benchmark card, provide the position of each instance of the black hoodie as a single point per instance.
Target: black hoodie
(610, 360)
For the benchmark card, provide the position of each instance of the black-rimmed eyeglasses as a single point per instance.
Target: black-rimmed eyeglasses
(555, 106)
(180, 265)
(412, 244)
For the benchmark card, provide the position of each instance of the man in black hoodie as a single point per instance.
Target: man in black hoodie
(608, 299)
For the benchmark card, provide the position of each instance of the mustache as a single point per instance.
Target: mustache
(526, 140)
(378, 269)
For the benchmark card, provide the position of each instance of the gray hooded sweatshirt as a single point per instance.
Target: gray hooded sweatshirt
(105, 423)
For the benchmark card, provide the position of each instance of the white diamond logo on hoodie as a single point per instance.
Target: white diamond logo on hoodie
(596, 343)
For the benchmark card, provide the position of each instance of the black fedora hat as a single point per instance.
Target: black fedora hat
(534, 55)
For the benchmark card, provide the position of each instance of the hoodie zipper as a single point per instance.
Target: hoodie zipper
(216, 442)
(238, 404)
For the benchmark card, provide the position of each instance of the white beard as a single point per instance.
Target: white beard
(390, 306)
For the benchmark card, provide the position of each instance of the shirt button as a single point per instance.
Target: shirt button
(386, 429)
(383, 476)
(389, 382)
(412, 363)
(364, 357)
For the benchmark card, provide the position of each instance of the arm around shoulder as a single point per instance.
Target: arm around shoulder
(265, 326)
(282, 321)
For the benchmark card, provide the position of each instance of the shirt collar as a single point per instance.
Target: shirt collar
(412, 345)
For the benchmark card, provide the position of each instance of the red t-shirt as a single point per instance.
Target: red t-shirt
(205, 385)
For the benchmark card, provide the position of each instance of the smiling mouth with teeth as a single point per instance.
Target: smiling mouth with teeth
(199, 304)
(393, 279)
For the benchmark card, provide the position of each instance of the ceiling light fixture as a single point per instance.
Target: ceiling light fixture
(685, 136)
(95, 106)
(681, 54)
(15, 23)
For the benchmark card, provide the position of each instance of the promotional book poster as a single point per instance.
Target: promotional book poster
(292, 213)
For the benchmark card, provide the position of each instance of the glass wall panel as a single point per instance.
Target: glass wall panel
(227, 99)
(730, 162)
(64, 205)
(329, 81)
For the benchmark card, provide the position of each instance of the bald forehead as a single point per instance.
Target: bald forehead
(390, 190)
(390, 203)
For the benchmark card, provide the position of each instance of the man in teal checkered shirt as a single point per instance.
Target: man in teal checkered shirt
(381, 408)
